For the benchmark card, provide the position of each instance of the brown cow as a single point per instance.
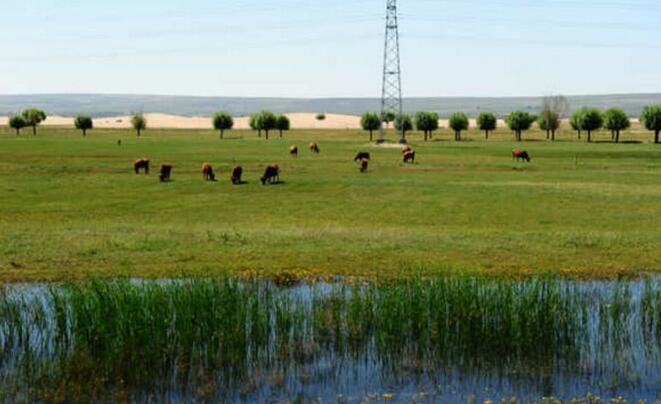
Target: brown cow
(361, 156)
(363, 165)
(271, 174)
(409, 156)
(519, 154)
(293, 151)
(237, 171)
(166, 170)
(140, 164)
(406, 149)
(314, 148)
(207, 172)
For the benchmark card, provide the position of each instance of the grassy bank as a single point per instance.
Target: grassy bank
(71, 208)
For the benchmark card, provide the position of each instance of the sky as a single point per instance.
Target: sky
(296, 48)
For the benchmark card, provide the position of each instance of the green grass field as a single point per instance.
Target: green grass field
(71, 207)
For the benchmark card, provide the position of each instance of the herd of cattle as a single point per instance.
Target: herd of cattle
(272, 172)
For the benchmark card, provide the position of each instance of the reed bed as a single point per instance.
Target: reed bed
(101, 339)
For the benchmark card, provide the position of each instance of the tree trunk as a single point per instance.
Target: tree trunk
(267, 134)
(138, 132)
(18, 132)
(259, 132)
(553, 136)
(589, 136)
(656, 136)
(579, 134)
(84, 132)
(617, 136)
(34, 130)
(221, 133)
(548, 134)
(486, 134)
(280, 132)
(371, 134)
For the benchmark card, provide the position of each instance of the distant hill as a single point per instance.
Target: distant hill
(114, 105)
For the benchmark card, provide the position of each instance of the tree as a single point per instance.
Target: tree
(138, 122)
(321, 116)
(282, 123)
(487, 122)
(519, 121)
(557, 104)
(651, 119)
(17, 122)
(83, 122)
(458, 122)
(616, 120)
(403, 123)
(254, 124)
(33, 117)
(222, 121)
(575, 122)
(427, 122)
(388, 117)
(591, 120)
(554, 109)
(370, 121)
(549, 121)
(266, 120)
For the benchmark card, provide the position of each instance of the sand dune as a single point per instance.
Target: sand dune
(298, 121)
(156, 120)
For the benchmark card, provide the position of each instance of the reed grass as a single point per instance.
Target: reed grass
(86, 341)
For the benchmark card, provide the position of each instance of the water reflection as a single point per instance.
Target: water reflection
(429, 340)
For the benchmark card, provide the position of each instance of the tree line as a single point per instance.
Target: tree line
(33, 117)
(585, 120)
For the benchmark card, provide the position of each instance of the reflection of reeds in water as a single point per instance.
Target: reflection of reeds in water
(106, 337)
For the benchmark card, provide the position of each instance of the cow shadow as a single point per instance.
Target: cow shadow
(620, 142)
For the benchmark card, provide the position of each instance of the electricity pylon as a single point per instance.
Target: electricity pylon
(391, 93)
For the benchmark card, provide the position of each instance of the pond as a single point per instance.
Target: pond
(423, 340)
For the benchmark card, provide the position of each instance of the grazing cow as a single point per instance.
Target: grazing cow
(237, 171)
(119, 142)
(166, 170)
(409, 156)
(361, 156)
(406, 149)
(271, 174)
(519, 154)
(207, 172)
(363, 165)
(314, 148)
(293, 151)
(141, 164)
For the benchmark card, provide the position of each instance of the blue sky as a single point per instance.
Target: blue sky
(295, 48)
